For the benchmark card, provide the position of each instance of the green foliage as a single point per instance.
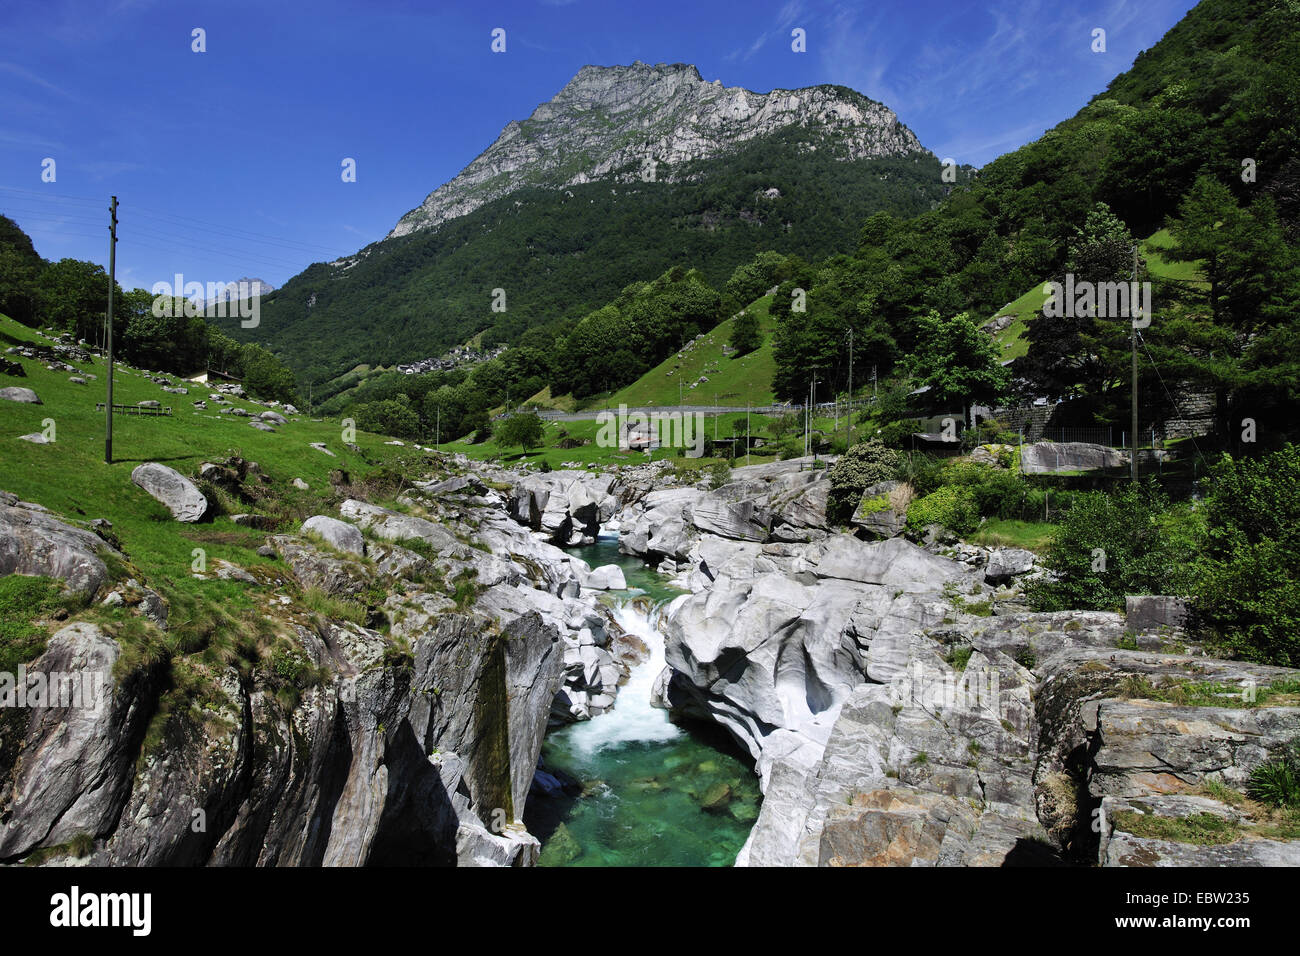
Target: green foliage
(265, 376)
(1111, 545)
(1248, 579)
(862, 466)
(719, 474)
(752, 279)
(746, 334)
(957, 360)
(392, 416)
(19, 268)
(1277, 781)
(1065, 350)
(569, 252)
(951, 506)
(523, 429)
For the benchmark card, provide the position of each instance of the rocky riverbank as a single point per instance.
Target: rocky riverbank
(903, 708)
(901, 705)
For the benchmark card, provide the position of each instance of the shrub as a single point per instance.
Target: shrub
(718, 474)
(997, 493)
(925, 473)
(1248, 579)
(523, 429)
(899, 434)
(862, 466)
(952, 506)
(1277, 782)
(1110, 545)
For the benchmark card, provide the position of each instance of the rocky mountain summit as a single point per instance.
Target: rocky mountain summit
(610, 120)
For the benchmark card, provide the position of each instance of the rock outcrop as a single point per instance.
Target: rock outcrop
(1048, 458)
(34, 542)
(679, 117)
(902, 712)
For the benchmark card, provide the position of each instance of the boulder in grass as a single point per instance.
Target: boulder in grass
(274, 418)
(337, 534)
(15, 393)
(261, 426)
(181, 496)
(150, 403)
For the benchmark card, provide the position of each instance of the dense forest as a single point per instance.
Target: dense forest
(1166, 145)
(559, 254)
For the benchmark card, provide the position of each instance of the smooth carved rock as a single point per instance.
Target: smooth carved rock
(1006, 563)
(182, 498)
(882, 512)
(75, 764)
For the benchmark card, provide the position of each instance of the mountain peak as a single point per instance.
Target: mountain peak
(616, 117)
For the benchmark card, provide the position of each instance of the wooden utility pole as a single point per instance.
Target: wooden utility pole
(1133, 339)
(850, 442)
(112, 281)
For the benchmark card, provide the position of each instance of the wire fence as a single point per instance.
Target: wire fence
(1095, 435)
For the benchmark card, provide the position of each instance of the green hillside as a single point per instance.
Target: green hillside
(70, 477)
(560, 254)
(1024, 309)
(731, 380)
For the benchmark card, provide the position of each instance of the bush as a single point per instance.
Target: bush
(523, 429)
(925, 473)
(1277, 782)
(1247, 588)
(899, 434)
(1110, 545)
(862, 466)
(951, 506)
(718, 474)
(997, 493)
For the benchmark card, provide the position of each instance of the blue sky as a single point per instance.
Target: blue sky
(227, 163)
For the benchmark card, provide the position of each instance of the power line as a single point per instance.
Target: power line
(167, 219)
(1161, 379)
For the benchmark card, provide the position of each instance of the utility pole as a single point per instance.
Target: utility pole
(112, 281)
(1133, 339)
(747, 429)
(850, 443)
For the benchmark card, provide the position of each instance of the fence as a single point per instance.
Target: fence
(135, 409)
(1097, 435)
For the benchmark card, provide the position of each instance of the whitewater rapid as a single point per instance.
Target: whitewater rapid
(633, 718)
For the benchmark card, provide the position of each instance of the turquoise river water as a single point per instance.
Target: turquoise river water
(652, 793)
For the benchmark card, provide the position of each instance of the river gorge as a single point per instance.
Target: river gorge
(653, 793)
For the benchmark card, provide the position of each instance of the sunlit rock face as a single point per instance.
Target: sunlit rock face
(608, 121)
